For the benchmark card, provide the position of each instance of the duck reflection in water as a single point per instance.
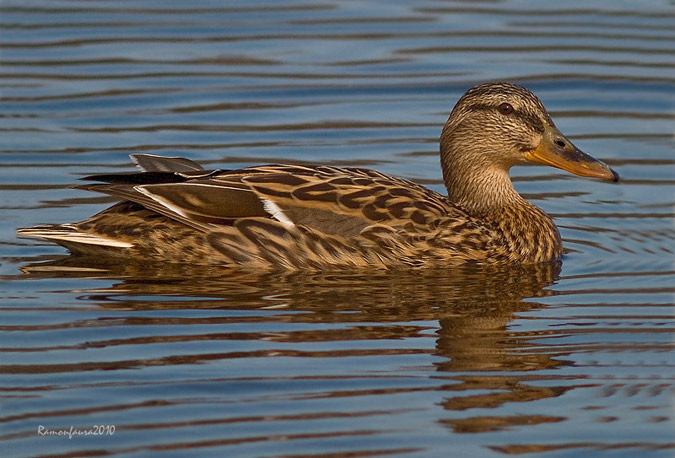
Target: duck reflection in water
(474, 306)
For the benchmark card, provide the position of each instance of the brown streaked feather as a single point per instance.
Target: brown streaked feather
(310, 195)
(131, 194)
(342, 217)
(206, 201)
(329, 199)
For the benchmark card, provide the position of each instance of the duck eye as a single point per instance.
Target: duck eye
(506, 108)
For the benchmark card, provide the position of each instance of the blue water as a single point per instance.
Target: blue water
(571, 360)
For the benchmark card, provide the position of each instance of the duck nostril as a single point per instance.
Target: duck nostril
(559, 143)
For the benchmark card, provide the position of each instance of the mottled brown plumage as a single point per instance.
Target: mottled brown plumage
(304, 217)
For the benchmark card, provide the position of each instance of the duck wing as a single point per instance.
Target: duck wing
(331, 200)
(344, 201)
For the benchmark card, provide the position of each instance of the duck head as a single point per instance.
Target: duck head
(495, 126)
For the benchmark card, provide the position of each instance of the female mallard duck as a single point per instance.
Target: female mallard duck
(297, 217)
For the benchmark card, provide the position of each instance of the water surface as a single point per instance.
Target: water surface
(557, 360)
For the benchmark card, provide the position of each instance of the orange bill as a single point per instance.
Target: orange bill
(557, 151)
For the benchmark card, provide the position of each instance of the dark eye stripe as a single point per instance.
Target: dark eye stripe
(531, 120)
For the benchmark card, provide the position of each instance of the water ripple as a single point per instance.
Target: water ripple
(571, 359)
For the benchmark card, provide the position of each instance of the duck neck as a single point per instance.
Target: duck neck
(488, 194)
(483, 193)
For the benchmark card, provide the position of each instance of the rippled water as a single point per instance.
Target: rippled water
(571, 360)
